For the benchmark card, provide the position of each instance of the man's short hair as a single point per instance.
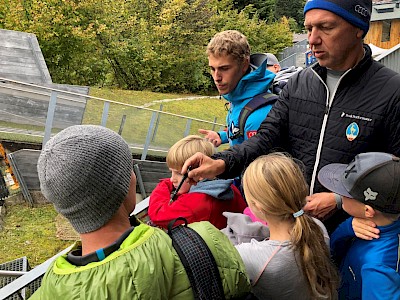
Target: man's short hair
(229, 42)
(185, 148)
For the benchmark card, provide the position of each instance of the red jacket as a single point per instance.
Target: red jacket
(194, 206)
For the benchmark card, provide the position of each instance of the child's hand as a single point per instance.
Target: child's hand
(365, 229)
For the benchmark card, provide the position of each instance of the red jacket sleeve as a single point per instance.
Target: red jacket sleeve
(194, 206)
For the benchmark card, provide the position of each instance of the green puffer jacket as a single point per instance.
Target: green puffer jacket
(145, 267)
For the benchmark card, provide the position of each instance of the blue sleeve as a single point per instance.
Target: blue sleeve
(224, 136)
(340, 240)
(380, 282)
(254, 121)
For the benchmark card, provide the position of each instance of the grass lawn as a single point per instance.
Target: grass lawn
(31, 232)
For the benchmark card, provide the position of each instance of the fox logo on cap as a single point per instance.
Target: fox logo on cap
(370, 194)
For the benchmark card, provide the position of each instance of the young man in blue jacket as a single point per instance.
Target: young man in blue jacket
(238, 81)
(370, 188)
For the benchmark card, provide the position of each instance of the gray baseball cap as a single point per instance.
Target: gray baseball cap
(271, 59)
(372, 178)
(256, 59)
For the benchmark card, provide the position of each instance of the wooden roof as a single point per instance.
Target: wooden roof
(21, 58)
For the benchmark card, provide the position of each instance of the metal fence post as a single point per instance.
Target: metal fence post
(215, 121)
(121, 126)
(157, 122)
(148, 136)
(104, 117)
(187, 130)
(50, 117)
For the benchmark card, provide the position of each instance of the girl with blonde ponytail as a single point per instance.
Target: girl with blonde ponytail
(294, 263)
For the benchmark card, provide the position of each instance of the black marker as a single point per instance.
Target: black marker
(175, 192)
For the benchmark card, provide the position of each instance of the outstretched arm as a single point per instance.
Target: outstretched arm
(203, 167)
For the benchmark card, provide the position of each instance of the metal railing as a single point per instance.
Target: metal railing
(391, 58)
(27, 278)
(144, 128)
(299, 47)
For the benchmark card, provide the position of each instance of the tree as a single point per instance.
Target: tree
(264, 8)
(65, 32)
(134, 44)
(291, 9)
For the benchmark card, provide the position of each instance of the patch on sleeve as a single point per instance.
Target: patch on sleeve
(251, 133)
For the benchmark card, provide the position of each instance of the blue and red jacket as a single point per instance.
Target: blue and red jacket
(252, 84)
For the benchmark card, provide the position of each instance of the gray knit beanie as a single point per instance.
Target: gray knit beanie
(85, 171)
(356, 12)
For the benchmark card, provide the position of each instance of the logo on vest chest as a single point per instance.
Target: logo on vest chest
(352, 131)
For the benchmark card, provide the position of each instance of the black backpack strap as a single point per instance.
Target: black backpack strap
(258, 101)
(198, 261)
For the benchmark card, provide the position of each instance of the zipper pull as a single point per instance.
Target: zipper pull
(327, 109)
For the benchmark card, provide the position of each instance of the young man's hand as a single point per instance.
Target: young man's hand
(211, 136)
(202, 166)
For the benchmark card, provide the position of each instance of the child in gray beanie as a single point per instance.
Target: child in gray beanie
(86, 172)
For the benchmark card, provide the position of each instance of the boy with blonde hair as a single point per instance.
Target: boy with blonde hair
(370, 189)
(204, 202)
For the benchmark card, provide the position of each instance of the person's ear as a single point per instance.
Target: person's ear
(369, 211)
(359, 33)
(258, 208)
(246, 64)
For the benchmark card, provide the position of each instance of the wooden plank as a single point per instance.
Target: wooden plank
(26, 162)
(151, 172)
(20, 42)
(21, 45)
(41, 94)
(16, 61)
(25, 111)
(31, 105)
(28, 70)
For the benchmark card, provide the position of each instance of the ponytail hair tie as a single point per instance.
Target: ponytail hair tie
(298, 213)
